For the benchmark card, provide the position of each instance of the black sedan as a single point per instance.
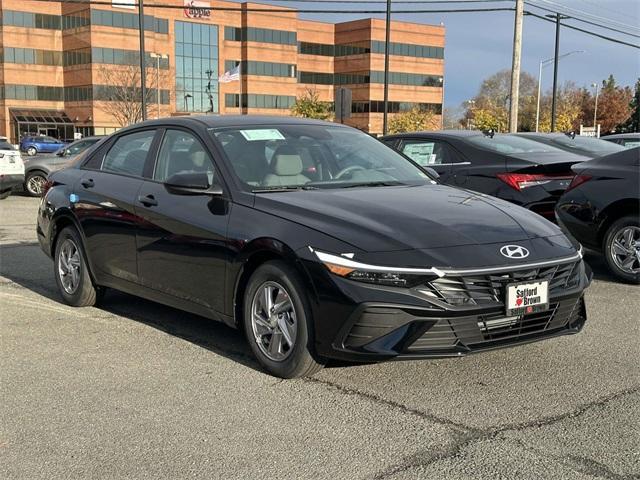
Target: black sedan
(512, 168)
(587, 146)
(317, 240)
(601, 209)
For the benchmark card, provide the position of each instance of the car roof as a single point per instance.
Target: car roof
(543, 135)
(214, 121)
(623, 135)
(440, 134)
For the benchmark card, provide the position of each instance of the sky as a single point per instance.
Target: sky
(480, 44)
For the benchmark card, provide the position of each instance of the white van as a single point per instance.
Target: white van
(11, 168)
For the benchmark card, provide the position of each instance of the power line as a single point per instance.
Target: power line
(529, 2)
(587, 14)
(573, 27)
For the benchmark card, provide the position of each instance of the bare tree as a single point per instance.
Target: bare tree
(121, 94)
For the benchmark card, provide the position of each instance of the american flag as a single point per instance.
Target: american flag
(232, 75)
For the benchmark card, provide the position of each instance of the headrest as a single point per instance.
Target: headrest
(287, 161)
(199, 157)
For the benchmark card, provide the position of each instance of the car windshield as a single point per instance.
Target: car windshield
(508, 144)
(313, 156)
(6, 146)
(588, 144)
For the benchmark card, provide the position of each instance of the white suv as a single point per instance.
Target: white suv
(11, 168)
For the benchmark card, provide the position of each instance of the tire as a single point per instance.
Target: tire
(622, 241)
(283, 283)
(31, 151)
(33, 183)
(77, 290)
(5, 194)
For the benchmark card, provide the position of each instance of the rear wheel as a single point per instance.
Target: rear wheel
(34, 182)
(31, 151)
(277, 321)
(622, 248)
(71, 271)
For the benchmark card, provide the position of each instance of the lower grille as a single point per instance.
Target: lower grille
(475, 332)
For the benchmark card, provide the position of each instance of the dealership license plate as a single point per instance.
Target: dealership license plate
(524, 298)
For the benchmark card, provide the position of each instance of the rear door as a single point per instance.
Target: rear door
(435, 153)
(182, 239)
(107, 193)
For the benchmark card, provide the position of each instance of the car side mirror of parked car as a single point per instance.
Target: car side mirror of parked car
(188, 183)
(62, 152)
(432, 172)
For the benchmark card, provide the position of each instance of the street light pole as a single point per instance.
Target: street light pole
(385, 115)
(143, 68)
(595, 109)
(554, 95)
(158, 56)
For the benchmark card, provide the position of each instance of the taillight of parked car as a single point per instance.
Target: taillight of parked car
(578, 180)
(520, 181)
(46, 186)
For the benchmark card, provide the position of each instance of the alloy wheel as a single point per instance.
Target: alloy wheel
(35, 183)
(274, 321)
(625, 249)
(31, 151)
(69, 266)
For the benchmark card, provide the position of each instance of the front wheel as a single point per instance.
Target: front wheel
(31, 151)
(622, 248)
(277, 321)
(34, 182)
(71, 271)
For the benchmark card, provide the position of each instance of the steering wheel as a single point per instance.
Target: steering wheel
(350, 169)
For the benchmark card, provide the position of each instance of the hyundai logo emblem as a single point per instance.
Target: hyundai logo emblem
(514, 251)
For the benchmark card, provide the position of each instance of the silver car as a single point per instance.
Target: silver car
(37, 168)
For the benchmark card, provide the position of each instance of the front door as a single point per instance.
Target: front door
(182, 242)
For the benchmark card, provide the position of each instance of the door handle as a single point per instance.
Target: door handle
(148, 201)
(87, 183)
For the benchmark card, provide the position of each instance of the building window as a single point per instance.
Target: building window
(268, 69)
(31, 20)
(408, 50)
(251, 100)
(415, 79)
(359, 48)
(128, 20)
(196, 67)
(308, 48)
(316, 78)
(262, 35)
(377, 106)
(31, 56)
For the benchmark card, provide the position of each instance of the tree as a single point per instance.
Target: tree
(309, 105)
(568, 108)
(492, 102)
(414, 120)
(485, 119)
(121, 95)
(614, 105)
(633, 122)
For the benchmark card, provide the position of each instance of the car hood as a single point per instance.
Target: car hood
(384, 219)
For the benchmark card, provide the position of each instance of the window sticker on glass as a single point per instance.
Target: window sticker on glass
(421, 153)
(262, 134)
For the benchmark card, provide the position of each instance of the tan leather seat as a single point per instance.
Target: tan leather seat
(286, 166)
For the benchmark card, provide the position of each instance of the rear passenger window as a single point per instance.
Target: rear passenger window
(421, 152)
(129, 153)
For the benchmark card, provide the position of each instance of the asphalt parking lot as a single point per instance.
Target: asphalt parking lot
(133, 389)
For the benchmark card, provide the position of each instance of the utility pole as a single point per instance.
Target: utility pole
(143, 68)
(556, 57)
(515, 67)
(386, 69)
(595, 107)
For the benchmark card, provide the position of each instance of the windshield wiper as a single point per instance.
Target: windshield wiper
(381, 183)
(284, 189)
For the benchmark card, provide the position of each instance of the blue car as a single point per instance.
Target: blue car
(40, 144)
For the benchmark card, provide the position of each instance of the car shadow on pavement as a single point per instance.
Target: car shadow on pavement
(26, 266)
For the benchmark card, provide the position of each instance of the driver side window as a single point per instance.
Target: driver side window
(182, 152)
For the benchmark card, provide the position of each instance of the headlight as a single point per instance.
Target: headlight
(379, 275)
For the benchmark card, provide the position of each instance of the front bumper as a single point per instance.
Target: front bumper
(9, 181)
(360, 322)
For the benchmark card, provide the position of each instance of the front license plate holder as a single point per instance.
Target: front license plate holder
(527, 298)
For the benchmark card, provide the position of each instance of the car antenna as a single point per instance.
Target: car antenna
(489, 133)
(571, 134)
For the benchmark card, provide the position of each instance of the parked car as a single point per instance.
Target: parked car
(38, 168)
(513, 168)
(601, 209)
(363, 257)
(587, 146)
(33, 145)
(627, 140)
(11, 168)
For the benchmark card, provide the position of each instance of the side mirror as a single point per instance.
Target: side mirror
(191, 184)
(432, 172)
(62, 152)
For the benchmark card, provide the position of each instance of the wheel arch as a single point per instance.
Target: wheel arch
(618, 209)
(63, 219)
(252, 256)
